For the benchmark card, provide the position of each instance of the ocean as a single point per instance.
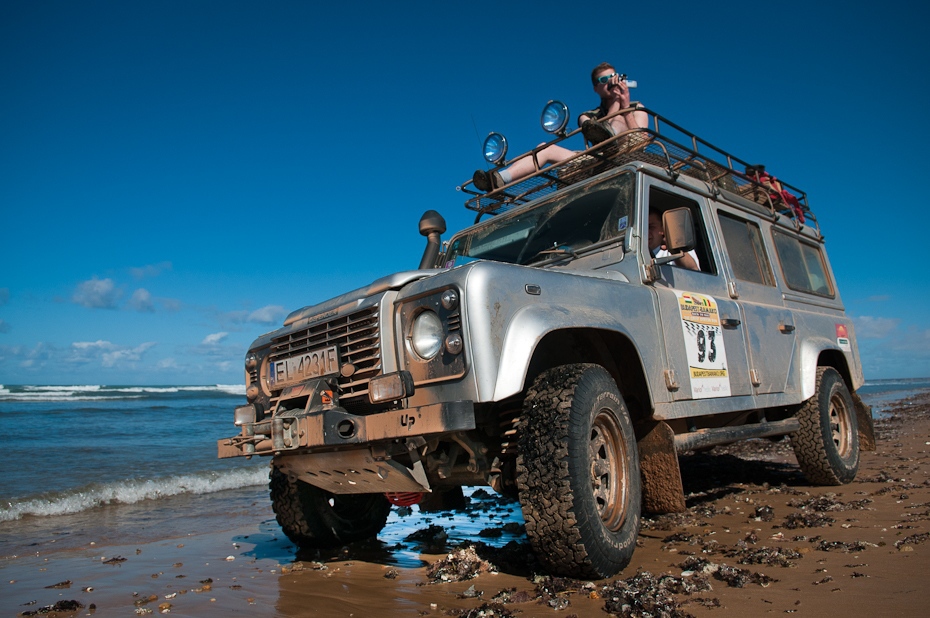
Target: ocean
(92, 461)
(105, 464)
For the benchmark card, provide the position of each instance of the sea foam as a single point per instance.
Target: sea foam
(98, 392)
(131, 492)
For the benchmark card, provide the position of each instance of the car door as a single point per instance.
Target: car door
(702, 327)
(768, 325)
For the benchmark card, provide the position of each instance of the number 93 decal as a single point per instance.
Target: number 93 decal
(703, 339)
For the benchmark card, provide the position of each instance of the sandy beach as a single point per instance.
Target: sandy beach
(756, 539)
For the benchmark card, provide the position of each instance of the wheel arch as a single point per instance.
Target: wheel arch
(821, 352)
(837, 360)
(613, 350)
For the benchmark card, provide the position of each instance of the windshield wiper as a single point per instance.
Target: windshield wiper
(552, 252)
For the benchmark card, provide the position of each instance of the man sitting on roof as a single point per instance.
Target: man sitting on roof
(615, 96)
(614, 92)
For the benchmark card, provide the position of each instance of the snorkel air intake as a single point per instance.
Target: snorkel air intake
(432, 225)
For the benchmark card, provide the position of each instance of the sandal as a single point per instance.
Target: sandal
(487, 181)
(596, 132)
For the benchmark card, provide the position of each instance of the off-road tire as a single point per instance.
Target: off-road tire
(316, 519)
(578, 473)
(827, 444)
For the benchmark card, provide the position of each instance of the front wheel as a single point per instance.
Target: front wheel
(827, 443)
(578, 473)
(314, 518)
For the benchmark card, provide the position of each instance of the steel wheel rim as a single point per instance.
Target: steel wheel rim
(609, 463)
(840, 429)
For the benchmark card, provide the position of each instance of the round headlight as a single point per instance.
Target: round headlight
(251, 362)
(426, 335)
(494, 148)
(554, 117)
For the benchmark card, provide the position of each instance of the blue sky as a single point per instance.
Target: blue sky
(176, 176)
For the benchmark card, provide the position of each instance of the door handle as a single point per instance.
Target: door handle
(786, 328)
(729, 322)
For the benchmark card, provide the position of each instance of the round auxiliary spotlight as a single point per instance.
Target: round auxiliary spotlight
(554, 117)
(494, 148)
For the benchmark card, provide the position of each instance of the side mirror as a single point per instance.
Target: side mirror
(679, 230)
(432, 225)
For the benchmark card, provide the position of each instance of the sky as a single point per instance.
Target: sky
(177, 176)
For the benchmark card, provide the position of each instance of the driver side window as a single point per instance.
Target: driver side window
(661, 201)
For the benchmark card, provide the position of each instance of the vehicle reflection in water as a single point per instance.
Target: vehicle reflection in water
(385, 572)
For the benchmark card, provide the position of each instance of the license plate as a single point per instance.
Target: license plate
(311, 364)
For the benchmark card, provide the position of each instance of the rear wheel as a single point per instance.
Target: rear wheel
(578, 473)
(827, 444)
(314, 518)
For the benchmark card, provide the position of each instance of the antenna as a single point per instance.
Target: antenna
(477, 136)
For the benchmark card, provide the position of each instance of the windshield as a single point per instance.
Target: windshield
(565, 224)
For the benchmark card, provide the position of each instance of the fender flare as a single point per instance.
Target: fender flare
(528, 328)
(811, 350)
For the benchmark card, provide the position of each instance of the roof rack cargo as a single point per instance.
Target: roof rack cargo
(663, 144)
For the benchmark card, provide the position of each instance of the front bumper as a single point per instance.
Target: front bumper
(292, 430)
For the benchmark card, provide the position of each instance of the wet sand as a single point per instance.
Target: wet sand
(756, 539)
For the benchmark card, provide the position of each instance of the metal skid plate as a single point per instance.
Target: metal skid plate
(353, 472)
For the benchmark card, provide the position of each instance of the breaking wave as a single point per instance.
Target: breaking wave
(131, 492)
(98, 392)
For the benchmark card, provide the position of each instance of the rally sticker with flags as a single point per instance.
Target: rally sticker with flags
(707, 358)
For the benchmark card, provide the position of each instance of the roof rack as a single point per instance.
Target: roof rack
(662, 143)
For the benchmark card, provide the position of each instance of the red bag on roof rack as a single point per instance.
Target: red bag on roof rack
(777, 192)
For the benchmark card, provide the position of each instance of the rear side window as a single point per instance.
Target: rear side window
(803, 265)
(746, 250)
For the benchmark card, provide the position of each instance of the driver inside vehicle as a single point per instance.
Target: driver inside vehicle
(657, 243)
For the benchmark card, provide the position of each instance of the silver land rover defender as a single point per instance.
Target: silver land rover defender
(547, 353)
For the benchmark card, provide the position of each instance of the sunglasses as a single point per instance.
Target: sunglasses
(603, 79)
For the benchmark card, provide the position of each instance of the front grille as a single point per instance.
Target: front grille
(358, 338)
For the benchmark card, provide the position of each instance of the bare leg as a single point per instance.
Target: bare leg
(525, 166)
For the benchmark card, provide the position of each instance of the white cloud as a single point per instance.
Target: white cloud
(150, 270)
(97, 294)
(142, 301)
(25, 357)
(42, 352)
(233, 317)
(868, 327)
(214, 339)
(36, 357)
(108, 354)
(270, 314)
(126, 355)
(890, 349)
(170, 304)
(92, 345)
